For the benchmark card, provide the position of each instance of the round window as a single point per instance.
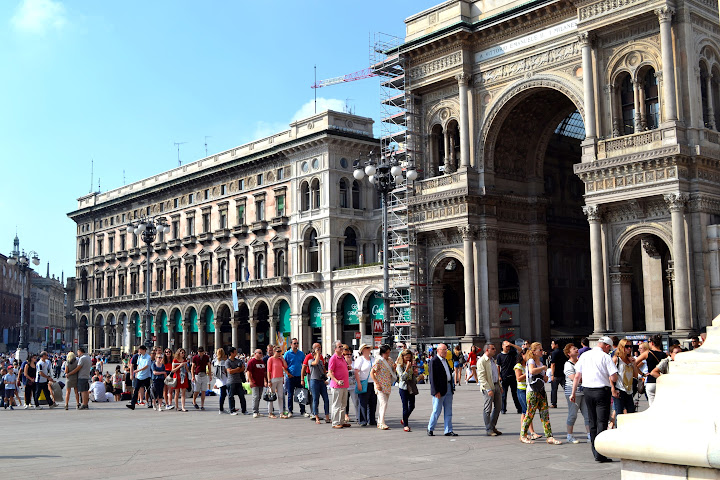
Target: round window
(315, 163)
(305, 167)
(343, 162)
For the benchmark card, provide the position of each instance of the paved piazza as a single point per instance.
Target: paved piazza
(109, 442)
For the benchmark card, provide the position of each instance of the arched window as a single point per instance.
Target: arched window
(240, 271)
(223, 271)
(280, 263)
(715, 91)
(350, 251)
(98, 287)
(627, 105)
(312, 261)
(133, 283)
(259, 266)
(356, 195)
(206, 276)
(652, 106)
(189, 276)
(437, 149)
(174, 278)
(305, 196)
(343, 194)
(83, 285)
(315, 188)
(160, 280)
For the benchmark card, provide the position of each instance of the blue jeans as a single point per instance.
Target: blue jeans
(319, 388)
(440, 404)
(290, 385)
(408, 405)
(522, 398)
(364, 410)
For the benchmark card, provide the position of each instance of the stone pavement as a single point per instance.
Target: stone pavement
(111, 442)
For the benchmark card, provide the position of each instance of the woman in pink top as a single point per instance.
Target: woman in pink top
(276, 368)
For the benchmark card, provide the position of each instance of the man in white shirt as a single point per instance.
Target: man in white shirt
(42, 378)
(98, 393)
(597, 373)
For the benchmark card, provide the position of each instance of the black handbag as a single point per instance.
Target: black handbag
(268, 395)
(537, 385)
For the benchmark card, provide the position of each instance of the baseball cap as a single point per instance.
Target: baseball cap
(606, 340)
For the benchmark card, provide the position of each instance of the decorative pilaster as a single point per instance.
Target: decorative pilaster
(665, 15)
(676, 203)
(253, 334)
(463, 80)
(711, 110)
(597, 270)
(106, 343)
(218, 333)
(468, 235)
(614, 110)
(235, 325)
(186, 336)
(586, 40)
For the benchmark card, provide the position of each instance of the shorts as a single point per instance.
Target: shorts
(201, 383)
(158, 386)
(9, 392)
(83, 385)
(456, 364)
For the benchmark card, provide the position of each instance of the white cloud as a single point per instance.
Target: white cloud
(38, 16)
(323, 104)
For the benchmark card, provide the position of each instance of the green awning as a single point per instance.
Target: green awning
(351, 313)
(284, 320)
(315, 313)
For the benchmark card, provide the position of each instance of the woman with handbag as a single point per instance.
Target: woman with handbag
(168, 391)
(181, 377)
(221, 377)
(72, 379)
(361, 369)
(383, 375)
(318, 387)
(407, 374)
(536, 398)
(158, 379)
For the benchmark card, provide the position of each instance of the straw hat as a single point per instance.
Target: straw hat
(363, 347)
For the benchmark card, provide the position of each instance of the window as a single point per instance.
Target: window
(313, 252)
(206, 274)
(315, 187)
(652, 106)
(206, 194)
(174, 278)
(305, 196)
(350, 254)
(356, 195)
(111, 244)
(223, 219)
(280, 205)
(110, 287)
(112, 221)
(160, 280)
(280, 173)
(162, 207)
(223, 189)
(99, 288)
(241, 273)
(175, 203)
(259, 266)
(191, 226)
(100, 246)
(206, 222)
(133, 283)
(123, 218)
(147, 210)
(122, 242)
(280, 264)
(627, 102)
(191, 198)
(241, 184)
(222, 271)
(135, 241)
(260, 179)
(121, 284)
(343, 194)
(259, 210)
(241, 214)
(190, 276)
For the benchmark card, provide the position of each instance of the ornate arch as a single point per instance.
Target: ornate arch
(447, 254)
(442, 113)
(632, 58)
(275, 304)
(507, 100)
(631, 232)
(340, 297)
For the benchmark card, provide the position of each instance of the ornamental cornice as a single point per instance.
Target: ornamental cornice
(630, 158)
(531, 63)
(704, 204)
(427, 199)
(602, 8)
(436, 66)
(638, 174)
(502, 33)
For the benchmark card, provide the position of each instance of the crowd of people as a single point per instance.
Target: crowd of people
(600, 383)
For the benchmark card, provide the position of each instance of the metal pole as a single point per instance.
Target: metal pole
(148, 317)
(21, 343)
(386, 276)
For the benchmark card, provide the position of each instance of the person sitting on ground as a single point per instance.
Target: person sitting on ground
(98, 393)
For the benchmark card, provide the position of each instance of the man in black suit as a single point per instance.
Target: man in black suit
(441, 388)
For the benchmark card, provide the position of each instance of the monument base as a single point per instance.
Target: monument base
(635, 470)
(21, 354)
(468, 341)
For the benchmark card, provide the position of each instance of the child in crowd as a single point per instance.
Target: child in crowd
(10, 383)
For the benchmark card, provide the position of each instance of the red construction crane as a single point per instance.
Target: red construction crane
(350, 77)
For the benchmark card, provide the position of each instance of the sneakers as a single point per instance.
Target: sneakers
(196, 406)
(26, 406)
(306, 415)
(233, 413)
(288, 414)
(169, 407)
(12, 408)
(131, 407)
(571, 439)
(85, 407)
(220, 412)
(588, 437)
(38, 407)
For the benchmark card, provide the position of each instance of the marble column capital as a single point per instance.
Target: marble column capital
(463, 78)
(253, 322)
(610, 88)
(593, 213)
(586, 39)
(665, 13)
(486, 233)
(676, 201)
(468, 232)
(621, 274)
(217, 323)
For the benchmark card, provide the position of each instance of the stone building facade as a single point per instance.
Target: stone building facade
(47, 311)
(281, 218)
(10, 298)
(571, 164)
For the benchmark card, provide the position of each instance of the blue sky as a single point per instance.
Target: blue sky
(119, 82)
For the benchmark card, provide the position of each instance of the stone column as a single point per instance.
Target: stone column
(597, 270)
(186, 336)
(202, 334)
(118, 335)
(484, 304)
(636, 103)
(106, 343)
(273, 329)
(665, 15)
(158, 332)
(714, 256)
(585, 40)
(676, 203)
(171, 329)
(468, 235)
(711, 110)
(652, 285)
(234, 325)
(142, 331)
(446, 143)
(218, 334)
(253, 334)
(621, 278)
(463, 80)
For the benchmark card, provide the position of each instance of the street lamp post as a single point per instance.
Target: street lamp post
(22, 260)
(385, 173)
(148, 228)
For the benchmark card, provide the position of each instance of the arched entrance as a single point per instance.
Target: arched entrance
(224, 315)
(532, 141)
(448, 304)
(111, 337)
(208, 333)
(312, 318)
(136, 332)
(243, 317)
(281, 313)
(163, 337)
(348, 312)
(262, 315)
(98, 333)
(83, 332)
(175, 321)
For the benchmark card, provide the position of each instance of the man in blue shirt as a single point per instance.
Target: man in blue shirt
(142, 375)
(294, 359)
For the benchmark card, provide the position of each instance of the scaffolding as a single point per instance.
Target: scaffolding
(398, 137)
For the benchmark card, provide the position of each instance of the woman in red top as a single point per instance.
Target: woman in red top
(168, 392)
(180, 372)
(472, 361)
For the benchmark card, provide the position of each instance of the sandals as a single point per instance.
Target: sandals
(318, 422)
(383, 427)
(407, 429)
(553, 441)
(535, 436)
(526, 440)
(272, 415)
(327, 420)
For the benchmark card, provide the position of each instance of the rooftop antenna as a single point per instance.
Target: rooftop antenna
(206, 137)
(92, 164)
(177, 144)
(347, 106)
(315, 67)
(98, 190)
(123, 176)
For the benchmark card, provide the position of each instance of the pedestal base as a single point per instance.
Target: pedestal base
(21, 354)
(468, 341)
(634, 470)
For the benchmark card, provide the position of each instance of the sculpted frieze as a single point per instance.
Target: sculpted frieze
(602, 8)
(530, 63)
(621, 35)
(447, 92)
(435, 66)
